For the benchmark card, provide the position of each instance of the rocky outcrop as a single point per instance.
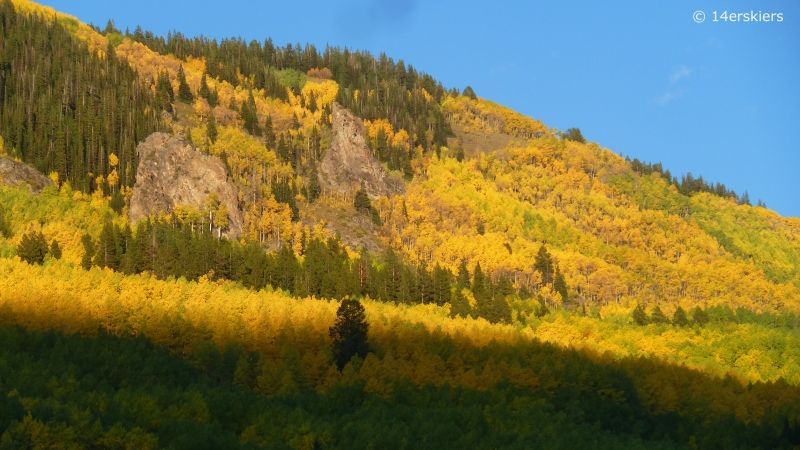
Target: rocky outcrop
(349, 162)
(13, 173)
(172, 172)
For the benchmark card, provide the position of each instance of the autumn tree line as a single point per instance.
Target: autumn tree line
(321, 268)
(388, 90)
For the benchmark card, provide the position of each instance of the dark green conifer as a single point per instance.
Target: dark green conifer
(542, 310)
(679, 318)
(184, 91)
(33, 248)
(544, 264)
(560, 286)
(482, 296)
(658, 316)
(204, 92)
(349, 333)
(463, 275)
(459, 306)
(55, 250)
(5, 230)
(699, 316)
(88, 251)
(468, 92)
(640, 315)
(211, 128)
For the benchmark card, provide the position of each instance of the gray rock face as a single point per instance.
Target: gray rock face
(13, 173)
(349, 161)
(173, 172)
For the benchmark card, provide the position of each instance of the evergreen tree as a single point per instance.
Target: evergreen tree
(55, 250)
(501, 311)
(468, 92)
(5, 230)
(560, 286)
(184, 91)
(542, 310)
(481, 293)
(640, 315)
(574, 134)
(463, 276)
(442, 279)
(204, 92)
(679, 318)
(349, 333)
(108, 248)
(699, 316)
(314, 189)
(211, 128)
(658, 317)
(544, 264)
(33, 248)
(460, 307)
(88, 251)
(213, 98)
(361, 201)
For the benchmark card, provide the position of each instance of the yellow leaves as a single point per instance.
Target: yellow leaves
(324, 93)
(201, 108)
(53, 176)
(425, 95)
(484, 115)
(113, 178)
(380, 124)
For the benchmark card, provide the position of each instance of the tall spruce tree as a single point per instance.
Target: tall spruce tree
(349, 333)
(32, 248)
(543, 263)
(184, 91)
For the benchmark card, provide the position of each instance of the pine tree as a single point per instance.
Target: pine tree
(501, 311)
(204, 92)
(361, 201)
(560, 286)
(314, 189)
(482, 296)
(542, 310)
(184, 91)
(55, 250)
(544, 264)
(459, 306)
(640, 315)
(699, 317)
(33, 248)
(5, 230)
(349, 333)
(658, 316)
(211, 128)
(468, 92)
(442, 279)
(88, 251)
(679, 318)
(463, 276)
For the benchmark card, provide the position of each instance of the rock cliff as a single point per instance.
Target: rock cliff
(172, 172)
(13, 173)
(349, 162)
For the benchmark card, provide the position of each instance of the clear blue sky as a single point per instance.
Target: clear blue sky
(718, 99)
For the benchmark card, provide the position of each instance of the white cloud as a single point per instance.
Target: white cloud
(667, 97)
(680, 72)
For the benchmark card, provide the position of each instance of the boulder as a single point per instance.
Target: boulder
(172, 172)
(349, 162)
(14, 173)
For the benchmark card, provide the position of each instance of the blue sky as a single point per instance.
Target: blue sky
(718, 99)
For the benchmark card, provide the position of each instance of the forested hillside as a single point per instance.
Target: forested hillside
(527, 289)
